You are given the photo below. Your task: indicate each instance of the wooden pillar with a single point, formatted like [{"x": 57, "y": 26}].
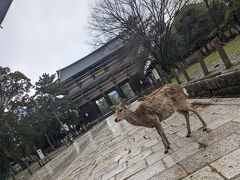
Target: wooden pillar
[
  {"x": 223, "y": 54},
  {"x": 94, "y": 108},
  {"x": 118, "y": 89},
  {"x": 98, "y": 111},
  {"x": 120, "y": 92},
  {"x": 105, "y": 96},
  {"x": 184, "y": 71},
  {"x": 107, "y": 99},
  {"x": 134, "y": 88},
  {"x": 175, "y": 76},
  {"x": 202, "y": 64},
  {"x": 161, "y": 74}
]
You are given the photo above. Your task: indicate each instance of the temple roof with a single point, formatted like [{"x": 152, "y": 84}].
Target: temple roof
[
  {"x": 4, "y": 6},
  {"x": 90, "y": 59}
]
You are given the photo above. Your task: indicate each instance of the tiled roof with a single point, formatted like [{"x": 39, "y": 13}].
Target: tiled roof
[{"x": 90, "y": 59}]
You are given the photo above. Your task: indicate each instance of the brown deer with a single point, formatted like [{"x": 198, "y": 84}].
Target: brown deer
[{"x": 157, "y": 107}]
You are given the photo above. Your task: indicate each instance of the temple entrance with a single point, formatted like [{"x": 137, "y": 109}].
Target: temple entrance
[
  {"x": 115, "y": 98},
  {"x": 102, "y": 105},
  {"x": 128, "y": 91}
]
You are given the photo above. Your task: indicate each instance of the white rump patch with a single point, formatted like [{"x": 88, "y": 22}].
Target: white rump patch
[{"x": 185, "y": 91}]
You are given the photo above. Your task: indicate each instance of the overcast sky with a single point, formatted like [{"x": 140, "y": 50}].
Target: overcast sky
[{"x": 44, "y": 35}]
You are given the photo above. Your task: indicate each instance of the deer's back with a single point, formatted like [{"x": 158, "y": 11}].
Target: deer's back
[
  {"x": 173, "y": 92},
  {"x": 163, "y": 102}
]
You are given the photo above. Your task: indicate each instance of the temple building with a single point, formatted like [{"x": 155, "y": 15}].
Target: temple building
[
  {"x": 97, "y": 81},
  {"x": 4, "y": 6}
]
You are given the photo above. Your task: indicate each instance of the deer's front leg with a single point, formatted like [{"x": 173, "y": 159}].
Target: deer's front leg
[{"x": 163, "y": 136}]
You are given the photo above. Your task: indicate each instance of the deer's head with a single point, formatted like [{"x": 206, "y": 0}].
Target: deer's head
[{"x": 121, "y": 110}]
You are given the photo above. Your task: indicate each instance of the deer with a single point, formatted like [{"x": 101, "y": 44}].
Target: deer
[{"x": 157, "y": 107}]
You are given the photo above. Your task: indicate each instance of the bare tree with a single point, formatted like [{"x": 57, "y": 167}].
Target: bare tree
[
  {"x": 150, "y": 22},
  {"x": 211, "y": 14}
]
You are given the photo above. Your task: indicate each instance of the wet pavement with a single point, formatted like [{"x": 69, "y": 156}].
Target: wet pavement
[{"x": 122, "y": 151}]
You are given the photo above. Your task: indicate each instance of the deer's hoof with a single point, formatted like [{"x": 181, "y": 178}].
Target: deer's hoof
[
  {"x": 188, "y": 135},
  {"x": 166, "y": 151},
  {"x": 208, "y": 130},
  {"x": 205, "y": 128}
]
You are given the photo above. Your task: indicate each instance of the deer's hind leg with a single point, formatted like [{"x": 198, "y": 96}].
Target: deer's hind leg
[
  {"x": 187, "y": 107},
  {"x": 186, "y": 115}
]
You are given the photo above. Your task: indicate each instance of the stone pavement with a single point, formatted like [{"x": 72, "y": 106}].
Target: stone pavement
[{"x": 122, "y": 151}]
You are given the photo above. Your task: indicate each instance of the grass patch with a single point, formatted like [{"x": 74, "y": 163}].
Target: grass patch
[{"x": 231, "y": 48}]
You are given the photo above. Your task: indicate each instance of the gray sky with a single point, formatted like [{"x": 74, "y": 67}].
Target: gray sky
[{"x": 44, "y": 35}]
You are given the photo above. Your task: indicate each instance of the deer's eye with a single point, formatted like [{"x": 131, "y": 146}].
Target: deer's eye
[{"x": 120, "y": 110}]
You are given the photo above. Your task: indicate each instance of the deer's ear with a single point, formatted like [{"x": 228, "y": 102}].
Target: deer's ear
[{"x": 112, "y": 107}]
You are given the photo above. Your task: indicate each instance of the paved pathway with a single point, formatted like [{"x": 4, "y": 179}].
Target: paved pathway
[{"x": 121, "y": 151}]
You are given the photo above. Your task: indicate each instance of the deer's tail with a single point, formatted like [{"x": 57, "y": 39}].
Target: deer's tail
[
  {"x": 204, "y": 102},
  {"x": 185, "y": 92}
]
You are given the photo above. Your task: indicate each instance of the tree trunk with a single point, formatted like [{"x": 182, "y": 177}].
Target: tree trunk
[
  {"x": 40, "y": 162},
  {"x": 61, "y": 124},
  {"x": 175, "y": 75},
  {"x": 17, "y": 159},
  {"x": 28, "y": 168},
  {"x": 223, "y": 55},
  {"x": 49, "y": 141},
  {"x": 64, "y": 142},
  {"x": 28, "y": 156},
  {"x": 22, "y": 162},
  {"x": 75, "y": 130},
  {"x": 202, "y": 64},
  {"x": 184, "y": 72},
  {"x": 53, "y": 140},
  {"x": 12, "y": 173},
  {"x": 47, "y": 156},
  {"x": 215, "y": 21},
  {"x": 71, "y": 129},
  {"x": 69, "y": 138}
]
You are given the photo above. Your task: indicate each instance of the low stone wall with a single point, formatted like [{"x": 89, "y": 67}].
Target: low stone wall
[{"x": 225, "y": 85}]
